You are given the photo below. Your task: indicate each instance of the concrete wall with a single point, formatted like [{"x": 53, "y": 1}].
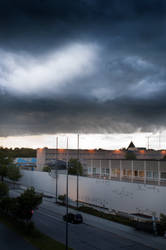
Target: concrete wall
[{"x": 121, "y": 196}]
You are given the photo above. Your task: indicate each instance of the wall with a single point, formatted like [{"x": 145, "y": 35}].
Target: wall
[{"x": 121, "y": 196}]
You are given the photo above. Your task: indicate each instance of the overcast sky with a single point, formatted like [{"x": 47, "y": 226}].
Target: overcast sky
[{"x": 94, "y": 66}]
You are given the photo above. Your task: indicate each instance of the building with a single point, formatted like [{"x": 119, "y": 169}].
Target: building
[
  {"x": 149, "y": 166},
  {"x": 25, "y": 162},
  {"x": 45, "y": 155}
]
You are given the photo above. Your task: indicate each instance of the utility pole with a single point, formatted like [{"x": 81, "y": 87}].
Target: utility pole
[
  {"x": 148, "y": 142},
  {"x": 159, "y": 140},
  {"x": 56, "y": 171},
  {"x": 78, "y": 169},
  {"x": 67, "y": 194}
]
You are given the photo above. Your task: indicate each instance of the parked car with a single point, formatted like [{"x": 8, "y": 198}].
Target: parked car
[{"x": 73, "y": 218}]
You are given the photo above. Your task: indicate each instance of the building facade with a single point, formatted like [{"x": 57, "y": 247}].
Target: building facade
[
  {"x": 26, "y": 162},
  {"x": 149, "y": 166}
]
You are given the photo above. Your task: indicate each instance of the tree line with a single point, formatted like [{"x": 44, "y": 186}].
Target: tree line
[
  {"x": 18, "y": 152},
  {"x": 19, "y": 208}
]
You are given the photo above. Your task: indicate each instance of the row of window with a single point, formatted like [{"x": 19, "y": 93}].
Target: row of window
[{"x": 126, "y": 173}]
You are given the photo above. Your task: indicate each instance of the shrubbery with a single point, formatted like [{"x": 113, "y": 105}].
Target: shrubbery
[
  {"x": 21, "y": 208},
  {"x": 62, "y": 198},
  {"x": 75, "y": 167},
  {"x": 46, "y": 169},
  {"x": 4, "y": 190},
  {"x": 162, "y": 223},
  {"x": 116, "y": 218}
]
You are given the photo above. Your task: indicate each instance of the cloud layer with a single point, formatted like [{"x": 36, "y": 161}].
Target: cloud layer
[{"x": 93, "y": 66}]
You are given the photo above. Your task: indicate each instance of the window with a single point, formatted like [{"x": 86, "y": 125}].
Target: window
[
  {"x": 149, "y": 174},
  {"x": 155, "y": 175},
  {"x": 135, "y": 173},
  {"x": 89, "y": 171},
  {"x": 97, "y": 170},
  {"x": 141, "y": 173},
  {"x": 114, "y": 173},
  {"x": 94, "y": 170},
  {"x": 163, "y": 175},
  {"x": 107, "y": 171},
  {"x": 129, "y": 173},
  {"x": 124, "y": 172}
]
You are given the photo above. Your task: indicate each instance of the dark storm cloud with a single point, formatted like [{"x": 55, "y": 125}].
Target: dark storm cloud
[{"x": 123, "y": 91}]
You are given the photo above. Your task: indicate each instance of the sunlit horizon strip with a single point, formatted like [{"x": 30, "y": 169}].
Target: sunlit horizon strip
[{"x": 86, "y": 141}]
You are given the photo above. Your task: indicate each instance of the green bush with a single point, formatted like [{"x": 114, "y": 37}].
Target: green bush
[
  {"x": 111, "y": 217},
  {"x": 62, "y": 198},
  {"x": 3, "y": 172},
  {"x": 27, "y": 202},
  {"x": 75, "y": 167},
  {"x": 21, "y": 208},
  {"x": 46, "y": 169},
  {"x": 162, "y": 223},
  {"x": 4, "y": 190},
  {"x": 13, "y": 172}
]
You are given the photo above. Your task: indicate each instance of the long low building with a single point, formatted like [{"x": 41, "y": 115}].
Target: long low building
[
  {"x": 46, "y": 155},
  {"x": 110, "y": 164}
]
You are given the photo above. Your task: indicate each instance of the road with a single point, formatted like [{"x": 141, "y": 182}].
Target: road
[
  {"x": 94, "y": 235},
  {"x": 81, "y": 236}
]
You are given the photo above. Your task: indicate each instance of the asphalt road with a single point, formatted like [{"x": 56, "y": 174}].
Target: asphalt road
[
  {"x": 81, "y": 236},
  {"x": 48, "y": 219}
]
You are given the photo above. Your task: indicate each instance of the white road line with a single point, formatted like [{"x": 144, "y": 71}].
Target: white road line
[{"x": 53, "y": 217}]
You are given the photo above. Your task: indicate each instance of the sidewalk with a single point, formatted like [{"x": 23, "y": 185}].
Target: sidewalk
[
  {"x": 123, "y": 231},
  {"x": 9, "y": 240}
]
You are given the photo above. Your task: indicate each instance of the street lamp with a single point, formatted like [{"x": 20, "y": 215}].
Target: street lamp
[
  {"x": 78, "y": 169},
  {"x": 67, "y": 194},
  {"x": 57, "y": 165}
]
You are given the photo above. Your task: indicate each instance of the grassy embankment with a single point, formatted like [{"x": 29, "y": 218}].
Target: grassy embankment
[{"x": 32, "y": 235}]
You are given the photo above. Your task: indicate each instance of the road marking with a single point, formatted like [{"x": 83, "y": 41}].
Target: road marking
[{"x": 53, "y": 217}]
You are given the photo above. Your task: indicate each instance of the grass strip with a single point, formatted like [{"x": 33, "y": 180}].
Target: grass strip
[
  {"x": 107, "y": 216},
  {"x": 111, "y": 217},
  {"x": 32, "y": 235}
]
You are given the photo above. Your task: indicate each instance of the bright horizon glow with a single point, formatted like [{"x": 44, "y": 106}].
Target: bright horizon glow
[{"x": 87, "y": 141}]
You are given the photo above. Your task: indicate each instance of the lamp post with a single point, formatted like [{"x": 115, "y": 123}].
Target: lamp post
[
  {"x": 67, "y": 193},
  {"x": 57, "y": 165},
  {"x": 56, "y": 174},
  {"x": 77, "y": 170}
]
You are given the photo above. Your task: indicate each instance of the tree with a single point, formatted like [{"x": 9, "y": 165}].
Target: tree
[
  {"x": 13, "y": 172},
  {"x": 30, "y": 198},
  {"x": 130, "y": 155},
  {"x": 3, "y": 172},
  {"x": 75, "y": 167},
  {"x": 62, "y": 198},
  {"x": 27, "y": 202},
  {"x": 4, "y": 190},
  {"x": 162, "y": 223},
  {"x": 4, "y": 162},
  {"x": 18, "y": 152},
  {"x": 46, "y": 169}
]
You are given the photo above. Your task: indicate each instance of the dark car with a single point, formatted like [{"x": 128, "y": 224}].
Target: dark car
[{"x": 73, "y": 218}]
